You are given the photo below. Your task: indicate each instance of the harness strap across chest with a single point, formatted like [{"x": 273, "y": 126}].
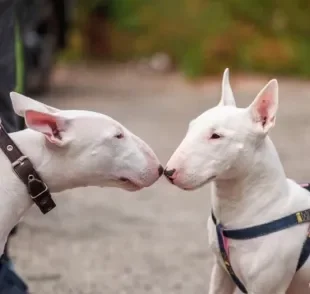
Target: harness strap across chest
[{"x": 258, "y": 231}]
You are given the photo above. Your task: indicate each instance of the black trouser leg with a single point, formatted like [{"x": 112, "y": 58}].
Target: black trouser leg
[
  {"x": 10, "y": 283},
  {"x": 7, "y": 63},
  {"x": 9, "y": 56}
]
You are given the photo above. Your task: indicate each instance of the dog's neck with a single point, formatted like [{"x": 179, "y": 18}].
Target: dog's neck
[
  {"x": 250, "y": 199},
  {"x": 56, "y": 170},
  {"x": 59, "y": 169}
]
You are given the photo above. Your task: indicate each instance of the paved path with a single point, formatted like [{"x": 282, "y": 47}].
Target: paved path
[{"x": 154, "y": 241}]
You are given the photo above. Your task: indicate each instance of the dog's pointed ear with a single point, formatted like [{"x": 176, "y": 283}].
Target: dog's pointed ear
[
  {"x": 264, "y": 107},
  {"x": 227, "y": 98},
  {"x": 22, "y": 103},
  {"x": 53, "y": 126}
]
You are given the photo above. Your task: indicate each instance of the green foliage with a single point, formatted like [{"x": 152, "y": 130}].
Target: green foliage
[{"x": 204, "y": 36}]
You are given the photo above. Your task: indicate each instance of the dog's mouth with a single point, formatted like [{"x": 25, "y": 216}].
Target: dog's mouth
[
  {"x": 129, "y": 185},
  {"x": 207, "y": 181}
]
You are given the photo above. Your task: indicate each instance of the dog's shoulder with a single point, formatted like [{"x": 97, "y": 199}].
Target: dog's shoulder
[{"x": 299, "y": 195}]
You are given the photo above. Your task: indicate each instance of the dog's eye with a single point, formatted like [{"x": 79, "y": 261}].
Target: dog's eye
[
  {"x": 119, "y": 136},
  {"x": 215, "y": 136}
]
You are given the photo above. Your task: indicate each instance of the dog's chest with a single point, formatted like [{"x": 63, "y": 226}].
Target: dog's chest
[
  {"x": 213, "y": 241},
  {"x": 230, "y": 247}
]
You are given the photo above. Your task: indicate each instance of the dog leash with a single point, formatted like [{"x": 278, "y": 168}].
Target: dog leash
[
  {"x": 22, "y": 166},
  {"x": 258, "y": 231}
]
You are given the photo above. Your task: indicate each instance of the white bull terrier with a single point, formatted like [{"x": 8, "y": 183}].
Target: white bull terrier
[
  {"x": 90, "y": 149},
  {"x": 230, "y": 147}
]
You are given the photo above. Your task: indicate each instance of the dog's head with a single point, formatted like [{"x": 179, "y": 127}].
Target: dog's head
[
  {"x": 100, "y": 150},
  {"x": 221, "y": 142}
]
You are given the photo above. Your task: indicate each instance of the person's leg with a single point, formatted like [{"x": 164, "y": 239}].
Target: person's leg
[
  {"x": 11, "y": 78},
  {"x": 7, "y": 63}
]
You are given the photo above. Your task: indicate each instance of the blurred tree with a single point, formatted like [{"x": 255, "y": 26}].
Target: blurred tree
[{"x": 203, "y": 36}]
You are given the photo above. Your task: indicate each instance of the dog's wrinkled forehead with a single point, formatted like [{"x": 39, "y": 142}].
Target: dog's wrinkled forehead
[
  {"x": 88, "y": 116},
  {"x": 92, "y": 121},
  {"x": 83, "y": 114},
  {"x": 219, "y": 117}
]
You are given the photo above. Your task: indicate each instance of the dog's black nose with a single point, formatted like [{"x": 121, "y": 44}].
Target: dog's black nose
[
  {"x": 160, "y": 170},
  {"x": 169, "y": 173}
]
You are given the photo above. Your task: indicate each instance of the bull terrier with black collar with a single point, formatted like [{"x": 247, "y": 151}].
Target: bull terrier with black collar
[{"x": 70, "y": 149}]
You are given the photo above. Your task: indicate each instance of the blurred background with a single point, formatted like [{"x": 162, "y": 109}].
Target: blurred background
[
  {"x": 153, "y": 65},
  {"x": 195, "y": 37}
]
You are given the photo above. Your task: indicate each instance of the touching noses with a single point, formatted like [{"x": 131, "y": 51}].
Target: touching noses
[
  {"x": 151, "y": 157},
  {"x": 170, "y": 174},
  {"x": 160, "y": 170}
]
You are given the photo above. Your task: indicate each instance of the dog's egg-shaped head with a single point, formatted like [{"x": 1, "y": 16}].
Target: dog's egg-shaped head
[{"x": 222, "y": 140}]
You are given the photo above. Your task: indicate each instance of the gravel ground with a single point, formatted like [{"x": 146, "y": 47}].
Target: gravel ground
[{"x": 153, "y": 241}]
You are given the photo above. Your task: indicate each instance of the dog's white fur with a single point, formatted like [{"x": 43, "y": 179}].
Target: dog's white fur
[
  {"x": 249, "y": 187},
  {"x": 92, "y": 149}
]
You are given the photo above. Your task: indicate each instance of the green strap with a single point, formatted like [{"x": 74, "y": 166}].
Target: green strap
[{"x": 19, "y": 60}]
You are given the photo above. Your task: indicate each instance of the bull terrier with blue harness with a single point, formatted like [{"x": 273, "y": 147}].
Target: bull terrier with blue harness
[{"x": 259, "y": 225}]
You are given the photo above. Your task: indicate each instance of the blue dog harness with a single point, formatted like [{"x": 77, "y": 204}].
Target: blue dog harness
[{"x": 258, "y": 231}]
